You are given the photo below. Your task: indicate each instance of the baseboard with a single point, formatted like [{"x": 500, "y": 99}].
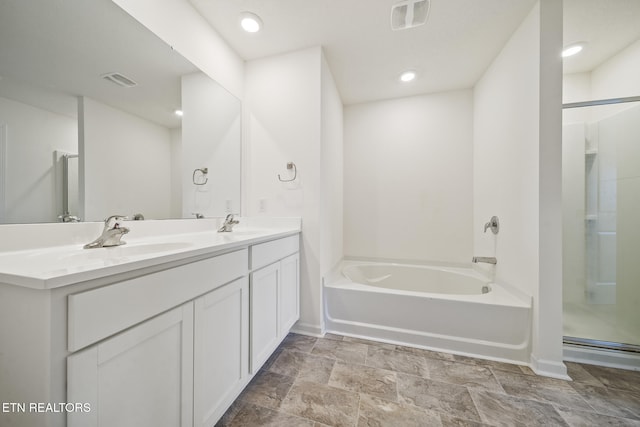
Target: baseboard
[
  {"x": 549, "y": 368},
  {"x": 307, "y": 329},
  {"x": 602, "y": 357}
]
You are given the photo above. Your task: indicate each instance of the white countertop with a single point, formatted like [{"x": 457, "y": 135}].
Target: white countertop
[{"x": 65, "y": 264}]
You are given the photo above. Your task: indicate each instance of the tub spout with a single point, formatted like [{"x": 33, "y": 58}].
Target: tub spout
[{"x": 487, "y": 259}]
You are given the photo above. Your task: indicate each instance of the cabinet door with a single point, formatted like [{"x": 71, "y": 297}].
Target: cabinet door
[
  {"x": 140, "y": 377},
  {"x": 264, "y": 314},
  {"x": 289, "y": 293},
  {"x": 221, "y": 343}
]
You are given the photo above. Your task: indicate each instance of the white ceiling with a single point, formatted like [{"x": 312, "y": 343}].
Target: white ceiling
[
  {"x": 608, "y": 26},
  {"x": 452, "y": 51},
  {"x": 65, "y": 45},
  {"x": 52, "y": 51}
]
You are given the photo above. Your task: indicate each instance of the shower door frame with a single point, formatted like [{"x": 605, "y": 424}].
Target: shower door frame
[{"x": 588, "y": 342}]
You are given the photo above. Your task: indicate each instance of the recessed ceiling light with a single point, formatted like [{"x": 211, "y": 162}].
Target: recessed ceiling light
[
  {"x": 179, "y": 113},
  {"x": 407, "y": 76},
  {"x": 572, "y": 49},
  {"x": 250, "y": 22}
]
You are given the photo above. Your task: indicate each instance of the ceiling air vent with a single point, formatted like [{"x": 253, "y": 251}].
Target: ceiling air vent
[
  {"x": 119, "y": 79},
  {"x": 409, "y": 13}
]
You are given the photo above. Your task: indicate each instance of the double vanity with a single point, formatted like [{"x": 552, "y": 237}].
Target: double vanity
[{"x": 166, "y": 330}]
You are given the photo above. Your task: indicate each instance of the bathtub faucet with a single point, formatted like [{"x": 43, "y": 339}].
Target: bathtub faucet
[{"x": 487, "y": 259}]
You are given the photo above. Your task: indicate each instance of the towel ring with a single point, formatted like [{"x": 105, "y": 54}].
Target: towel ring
[
  {"x": 290, "y": 166},
  {"x": 204, "y": 172}
]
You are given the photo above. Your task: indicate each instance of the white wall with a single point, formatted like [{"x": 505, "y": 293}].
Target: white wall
[
  {"x": 33, "y": 186},
  {"x": 618, "y": 76},
  {"x": 126, "y": 162},
  {"x": 182, "y": 27},
  {"x": 408, "y": 178},
  {"x": 211, "y": 138},
  {"x": 332, "y": 180},
  {"x": 281, "y": 122},
  {"x": 176, "y": 173},
  {"x": 517, "y": 173}
]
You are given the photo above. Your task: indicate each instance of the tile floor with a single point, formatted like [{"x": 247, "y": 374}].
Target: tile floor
[{"x": 341, "y": 381}]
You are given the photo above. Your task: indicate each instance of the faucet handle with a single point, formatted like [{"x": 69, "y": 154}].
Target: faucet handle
[
  {"x": 493, "y": 224},
  {"x": 114, "y": 218}
]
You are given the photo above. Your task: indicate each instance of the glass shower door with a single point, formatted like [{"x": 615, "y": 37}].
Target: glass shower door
[{"x": 601, "y": 206}]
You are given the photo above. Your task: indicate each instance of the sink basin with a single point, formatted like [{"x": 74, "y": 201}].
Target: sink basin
[{"x": 127, "y": 250}]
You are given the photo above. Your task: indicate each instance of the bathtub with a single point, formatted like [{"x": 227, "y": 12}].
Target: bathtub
[{"x": 449, "y": 309}]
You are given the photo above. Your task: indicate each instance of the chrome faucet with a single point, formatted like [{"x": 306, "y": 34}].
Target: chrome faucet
[
  {"x": 487, "y": 259},
  {"x": 493, "y": 224},
  {"x": 111, "y": 234},
  {"x": 228, "y": 224},
  {"x": 67, "y": 217}
]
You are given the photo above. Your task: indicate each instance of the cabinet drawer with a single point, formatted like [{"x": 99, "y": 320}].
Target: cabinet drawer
[
  {"x": 269, "y": 252},
  {"x": 99, "y": 313}
]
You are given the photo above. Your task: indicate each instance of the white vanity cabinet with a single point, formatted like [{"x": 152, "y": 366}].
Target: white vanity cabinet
[
  {"x": 169, "y": 342},
  {"x": 181, "y": 367},
  {"x": 275, "y": 300},
  {"x": 221, "y": 358},
  {"x": 140, "y": 377},
  {"x": 289, "y": 293}
]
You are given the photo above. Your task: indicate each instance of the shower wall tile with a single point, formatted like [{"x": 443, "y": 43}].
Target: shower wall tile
[
  {"x": 607, "y": 199},
  {"x": 607, "y": 221},
  {"x": 628, "y": 248},
  {"x": 607, "y": 257}
]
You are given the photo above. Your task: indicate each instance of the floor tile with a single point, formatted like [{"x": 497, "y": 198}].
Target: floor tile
[
  {"x": 254, "y": 416},
  {"x": 446, "y": 398},
  {"x": 303, "y": 366},
  {"x": 298, "y": 342},
  {"x": 370, "y": 343},
  {"x": 267, "y": 389},
  {"x": 615, "y": 378},
  {"x": 375, "y": 412},
  {"x": 578, "y": 418},
  {"x": 397, "y": 361},
  {"x": 526, "y": 370},
  {"x": 340, "y": 350},
  {"x": 543, "y": 389},
  {"x": 271, "y": 359},
  {"x": 426, "y": 353},
  {"x": 364, "y": 379},
  {"x": 342, "y": 381},
  {"x": 472, "y": 376},
  {"x": 509, "y": 367},
  {"x": 333, "y": 337},
  {"x": 449, "y": 421},
  {"x": 502, "y": 410},
  {"x": 580, "y": 375},
  {"x": 607, "y": 401},
  {"x": 322, "y": 403},
  {"x": 228, "y": 416}
]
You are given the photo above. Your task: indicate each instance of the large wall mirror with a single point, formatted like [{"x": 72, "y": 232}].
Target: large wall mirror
[{"x": 88, "y": 123}]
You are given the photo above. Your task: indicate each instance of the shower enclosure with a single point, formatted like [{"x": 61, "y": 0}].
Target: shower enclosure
[{"x": 601, "y": 224}]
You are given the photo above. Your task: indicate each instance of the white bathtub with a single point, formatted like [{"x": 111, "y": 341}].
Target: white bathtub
[{"x": 440, "y": 308}]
